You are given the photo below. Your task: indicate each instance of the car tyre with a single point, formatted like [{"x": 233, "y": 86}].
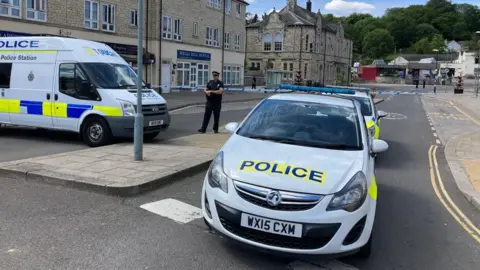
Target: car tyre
[
  {"x": 366, "y": 251},
  {"x": 150, "y": 136},
  {"x": 96, "y": 132}
]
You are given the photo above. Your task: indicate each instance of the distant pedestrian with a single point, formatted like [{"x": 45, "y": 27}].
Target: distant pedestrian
[
  {"x": 254, "y": 82},
  {"x": 213, "y": 93}
]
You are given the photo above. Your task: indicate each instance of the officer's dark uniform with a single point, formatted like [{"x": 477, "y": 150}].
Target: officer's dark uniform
[{"x": 214, "y": 104}]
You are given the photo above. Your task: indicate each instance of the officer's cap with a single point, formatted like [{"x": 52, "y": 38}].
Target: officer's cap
[{"x": 215, "y": 73}]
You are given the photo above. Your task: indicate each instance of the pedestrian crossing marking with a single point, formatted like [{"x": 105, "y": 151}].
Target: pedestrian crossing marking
[{"x": 175, "y": 210}]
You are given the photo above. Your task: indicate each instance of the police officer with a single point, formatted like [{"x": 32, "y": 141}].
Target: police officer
[{"x": 213, "y": 93}]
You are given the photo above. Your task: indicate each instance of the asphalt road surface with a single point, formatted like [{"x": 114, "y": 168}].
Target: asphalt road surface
[
  {"x": 19, "y": 143},
  {"x": 50, "y": 227}
]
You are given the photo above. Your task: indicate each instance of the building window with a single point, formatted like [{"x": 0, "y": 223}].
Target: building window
[
  {"x": 231, "y": 75},
  {"x": 278, "y": 41},
  {"x": 217, "y": 3},
  {"x": 108, "y": 21},
  {"x": 195, "y": 29},
  {"x": 133, "y": 17},
  {"x": 183, "y": 74},
  {"x": 203, "y": 70},
  {"x": 238, "y": 9},
  {"x": 167, "y": 27},
  {"x": 178, "y": 29},
  {"x": 10, "y": 8},
  {"x": 237, "y": 42},
  {"x": 285, "y": 68},
  {"x": 91, "y": 14},
  {"x": 305, "y": 71},
  {"x": 291, "y": 69},
  {"x": 212, "y": 38},
  {"x": 226, "y": 40},
  {"x": 228, "y": 6},
  {"x": 306, "y": 43},
  {"x": 36, "y": 10},
  {"x": 267, "y": 42},
  {"x": 213, "y": 3}
]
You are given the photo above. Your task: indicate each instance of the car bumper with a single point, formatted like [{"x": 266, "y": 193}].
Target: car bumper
[
  {"x": 324, "y": 233},
  {"x": 124, "y": 126}
]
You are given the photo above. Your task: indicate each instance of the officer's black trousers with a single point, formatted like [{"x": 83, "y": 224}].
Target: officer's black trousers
[{"x": 210, "y": 107}]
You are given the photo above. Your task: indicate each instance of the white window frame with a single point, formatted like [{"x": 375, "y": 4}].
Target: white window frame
[
  {"x": 237, "y": 42},
  {"x": 205, "y": 71},
  {"x": 133, "y": 17},
  {"x": 279, "y": 43},
  {"x": 238, "y": 10},
  {"x": 39, "y": 12},
  {"x": 212, "y": 38},
  {"x": 227, "y": 40},
  {"x": 177, "y": 29},
  {"x": 88, "y": 23},
  {"x": 10, "y": 7},
  {"x": 110, "y": 21},
  {"x": 231, "y": 74},
  {"x": 183, "y": 69},
  {"x": 210, "y": 3},
  {"x": 167, "y": 27},
  {"x": 195, "y": 29},
  {"x": 217, "y": 4},
  {"x": 228, "y": 6}
]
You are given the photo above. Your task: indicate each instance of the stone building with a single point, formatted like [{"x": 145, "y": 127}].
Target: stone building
[
  {"x": 190, "y": 32},
  {"x": 297, "y": 39}
]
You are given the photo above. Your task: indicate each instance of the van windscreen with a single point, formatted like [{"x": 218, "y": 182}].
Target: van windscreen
[{"x": 111, "y": 76}]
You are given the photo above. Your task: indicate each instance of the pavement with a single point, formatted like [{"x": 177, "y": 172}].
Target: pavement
[
  {"x": 57, "y": 227},
  {"x": 456, "y": 120}
]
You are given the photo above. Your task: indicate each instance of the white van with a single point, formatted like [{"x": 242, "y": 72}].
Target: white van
[{"x": 75, "y": 85}]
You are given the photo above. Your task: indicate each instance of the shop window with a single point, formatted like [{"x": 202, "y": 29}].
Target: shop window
[
  {"x": 203, "y": 77},
  {"x": 91, "y": 14},
  {"x": 231, "y": 75},
  {"x": 183, "y": 74}
]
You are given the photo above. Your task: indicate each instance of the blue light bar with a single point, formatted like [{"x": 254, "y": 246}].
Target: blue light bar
[
  {"x": 361, "y": 89},
  {"x": 328, "y": 90}
]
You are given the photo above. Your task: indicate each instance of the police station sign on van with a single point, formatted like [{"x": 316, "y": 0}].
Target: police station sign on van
[{"x": 8, "y": 47}]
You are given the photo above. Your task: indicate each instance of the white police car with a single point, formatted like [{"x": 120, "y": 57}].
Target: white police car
[{"x": 296, "y": 176}]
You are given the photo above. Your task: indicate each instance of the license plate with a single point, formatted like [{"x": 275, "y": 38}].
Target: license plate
[
  {"x": 271, "y": 225},
  {"x": 155, "y": 123}
]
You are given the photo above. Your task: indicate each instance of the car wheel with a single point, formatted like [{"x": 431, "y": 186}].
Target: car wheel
[
  {"x": 96, "y": 132},
  {"x": 150, "y": 136},
  {"x": 366, "y": 250}
]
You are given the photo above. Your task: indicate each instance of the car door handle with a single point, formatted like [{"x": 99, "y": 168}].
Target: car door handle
[
  {"x": 55, "y": 96},
  {"x": 48, "y": 96}
]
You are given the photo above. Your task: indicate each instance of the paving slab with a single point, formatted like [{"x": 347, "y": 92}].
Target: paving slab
[{"x": 112, "y": 170}]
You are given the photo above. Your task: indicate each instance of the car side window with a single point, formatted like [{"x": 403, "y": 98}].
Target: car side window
[
  {"x": 73, "y": 82},
  {"x": 5, "y": 74}
]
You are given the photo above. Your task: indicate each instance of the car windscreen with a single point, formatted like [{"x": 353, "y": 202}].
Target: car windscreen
[
  {"x": 365, "y": 105},
  {"x": 111, "y": 76},
  {"x": 304, "y": 123}
]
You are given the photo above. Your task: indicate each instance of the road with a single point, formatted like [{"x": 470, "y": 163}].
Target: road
[
  {"x": 51, "y": 227},
  {"x": 19, "y": 143}
]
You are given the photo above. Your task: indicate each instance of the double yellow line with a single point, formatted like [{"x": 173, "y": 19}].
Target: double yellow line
[{"x": 447, "y": 202}]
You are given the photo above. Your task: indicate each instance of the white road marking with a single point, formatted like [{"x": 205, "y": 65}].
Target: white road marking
[
  {"x": 175, "y": 210},
  {"x": 435, "y": 134},
  {"x": 438, "y": 141},
  {"x": 433, "y": 129}
]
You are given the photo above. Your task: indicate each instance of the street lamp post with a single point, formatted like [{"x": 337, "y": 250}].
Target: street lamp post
[
  {"x": 435, "y": 80},
  {"x": 477, "y": 84},
  {"x": 138, "y": 128}
]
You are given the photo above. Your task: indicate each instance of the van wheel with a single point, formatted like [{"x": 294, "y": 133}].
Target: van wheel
[
  {"x": 96, "y": 132},
  {"x": 150, "y": 136},
  {"x": 366, "y": 250}
]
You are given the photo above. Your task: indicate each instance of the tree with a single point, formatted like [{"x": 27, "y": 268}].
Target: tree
[
  {"x": 427, "y": 45},
  {"x": 425, "y": 30},
  {"x": 377, "y": 44},
  {"x": 401, "y": 27},
  {"x": 264, "y": 16},
  {"x": 362, "y": 27}
]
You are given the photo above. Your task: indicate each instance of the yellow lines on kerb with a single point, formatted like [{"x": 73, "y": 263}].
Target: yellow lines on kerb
[{"x": 442, "y": 194}]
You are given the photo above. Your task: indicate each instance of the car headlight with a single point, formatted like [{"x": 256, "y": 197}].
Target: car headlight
[
  {"x": 372, "y": 130},
  {"x": 128, "y": 108},
  {"x": 216, "y": 175},
  {"x": 352, "y": 196}
]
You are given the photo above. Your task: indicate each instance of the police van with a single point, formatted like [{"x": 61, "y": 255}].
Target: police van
[{"x": 74, "y": 85}]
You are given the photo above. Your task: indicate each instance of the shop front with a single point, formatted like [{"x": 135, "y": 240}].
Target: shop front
[{"x": 192, "y": 69}]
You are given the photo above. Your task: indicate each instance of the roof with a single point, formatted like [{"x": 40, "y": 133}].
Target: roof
[
  {"x": 441, "y": 57},
  {"x": 301, "y": 16},
  {"x": 243, "y": 2},
  {"x": 326, "y": 99}
]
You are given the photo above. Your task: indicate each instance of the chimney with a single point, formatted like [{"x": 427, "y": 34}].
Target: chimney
[
  {"x": 309, "y": 5},
  {"x": 291, "y": 4}
]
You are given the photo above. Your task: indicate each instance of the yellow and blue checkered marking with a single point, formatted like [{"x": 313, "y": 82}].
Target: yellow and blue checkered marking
[{"x": 57, "y": 109}]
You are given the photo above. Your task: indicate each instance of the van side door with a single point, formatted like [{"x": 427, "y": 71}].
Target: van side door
[
  {"x": 5, "y": 75},
  {"x": 74, "y": 95}
]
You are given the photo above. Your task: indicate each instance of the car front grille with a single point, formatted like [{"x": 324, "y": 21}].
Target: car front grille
[
  {"x": 290, "y": 201},
  {"x": 153, "y": 109}
]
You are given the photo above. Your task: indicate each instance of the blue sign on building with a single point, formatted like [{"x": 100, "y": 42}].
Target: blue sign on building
[{"x": 201, "y": 56}]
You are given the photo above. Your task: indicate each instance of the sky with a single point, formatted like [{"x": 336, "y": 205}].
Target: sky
[{"x": 341, "y": 7}]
